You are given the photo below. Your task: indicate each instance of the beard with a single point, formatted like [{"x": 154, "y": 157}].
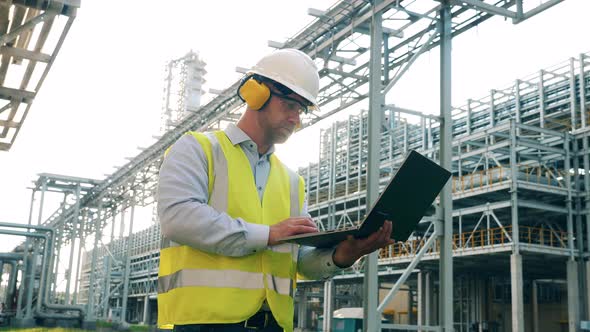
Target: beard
[
  {"x": 279, "y": 134},
  {"x": 277, "y": 130}
]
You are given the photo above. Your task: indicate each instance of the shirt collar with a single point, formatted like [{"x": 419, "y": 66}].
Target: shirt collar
[{"x": 238, "y": 136}]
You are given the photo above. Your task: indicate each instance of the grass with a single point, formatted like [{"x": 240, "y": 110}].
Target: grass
[{"x": 139, "y": 328}]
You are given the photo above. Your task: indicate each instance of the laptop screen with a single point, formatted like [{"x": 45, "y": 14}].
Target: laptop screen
[{"x": 408, "y": 195}]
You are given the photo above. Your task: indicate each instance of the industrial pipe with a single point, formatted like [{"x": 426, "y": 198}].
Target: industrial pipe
[
  {"x": 9, "y": 259},
  {"x": 11, "y": 256},
  {"x": 11, "y": 282},
  {"x": 48, "y": 244}
]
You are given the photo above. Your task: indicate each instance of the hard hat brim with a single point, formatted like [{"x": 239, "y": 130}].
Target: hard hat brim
[{"x": 299, "y": 91}]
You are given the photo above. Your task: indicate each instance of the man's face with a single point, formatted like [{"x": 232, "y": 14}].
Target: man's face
[{"x": 280, "y": 116}]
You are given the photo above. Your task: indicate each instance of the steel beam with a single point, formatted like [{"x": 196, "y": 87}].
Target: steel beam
[{"x": 491, "y": 9}]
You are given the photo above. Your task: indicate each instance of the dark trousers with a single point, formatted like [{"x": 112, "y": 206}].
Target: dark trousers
[{"x": 262, "y": 321}]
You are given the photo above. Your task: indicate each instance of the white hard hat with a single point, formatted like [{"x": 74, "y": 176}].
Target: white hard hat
[{"x": 292, "y": 68}]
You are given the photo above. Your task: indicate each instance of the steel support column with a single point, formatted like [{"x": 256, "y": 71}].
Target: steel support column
[
  {"x": 328, "y": 305},
  {"x": 302, "y": 309},
  {"x": 75, "y": 232},
  {"x": 146, "y": 310},
  {"x": 517, "y": 293},
  {"x": 41, "y": 201},
  {"x": 371, "y": 320},
  {"x": 53, "y": 272},
  {"x": 573, "y": 305},
  {"x": 446, "y": 200},
  {"x": 128, "y": 261},
  {"x": 420, "y": 298},
  {"x": 535, "y": 303},
  {"x": 515, "y": 258},
  {"x": 81, "y": 245},
  {"x": 97, "y": 235}
]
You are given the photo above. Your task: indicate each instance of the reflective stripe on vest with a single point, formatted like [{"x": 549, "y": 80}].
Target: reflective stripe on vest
[
  {"x": 223, "y": 278},
  {"x": 218, "y": 196},
  {"x": 196, "y": 287}
]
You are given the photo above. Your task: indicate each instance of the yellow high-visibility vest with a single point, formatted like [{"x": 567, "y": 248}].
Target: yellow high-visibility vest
[{"x": 196, "y": 287}]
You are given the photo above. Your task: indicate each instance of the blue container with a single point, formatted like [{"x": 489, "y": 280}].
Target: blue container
[{"x": 343, "y": 324}]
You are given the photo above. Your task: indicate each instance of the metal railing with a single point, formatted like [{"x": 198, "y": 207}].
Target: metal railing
[
  {"x": 481, "y": 238},
  {"x": 486, "y": 178}
]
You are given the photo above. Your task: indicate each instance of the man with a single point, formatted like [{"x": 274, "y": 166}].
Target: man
[{"x": 225, "y": 201}]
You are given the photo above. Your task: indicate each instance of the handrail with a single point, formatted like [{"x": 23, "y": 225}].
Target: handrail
[
  {"x": 481, "y": 179},
  {"x": 481, "y": 238}
]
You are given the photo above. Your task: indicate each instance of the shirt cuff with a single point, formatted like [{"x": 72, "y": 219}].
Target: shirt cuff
[
  {"x": 256, "y": 237},
  {"x": 327, "y": 262}
]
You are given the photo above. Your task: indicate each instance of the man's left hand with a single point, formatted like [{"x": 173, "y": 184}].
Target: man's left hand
[{"x": 351, "y": 249}]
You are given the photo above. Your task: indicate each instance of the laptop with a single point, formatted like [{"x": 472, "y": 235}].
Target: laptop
[{"x": 408, "y": 195}]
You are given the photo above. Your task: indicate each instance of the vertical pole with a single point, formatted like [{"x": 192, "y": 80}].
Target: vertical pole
[
  {"x": 469, "y": 114},
  {"x": 146, "y": 310},
  {"x": 572, "y": 296},
  {"x": 541, "y": 91},
  {"x": 75, "y": 225},
  {"x": 128, "y": 260},
  {"x": 359, "y": 163},
  {"x": 515, "y": 258},
  {"x": 82, "y": 234},
  {"x": 586, "y": 161},
  {"x": 535, "y": 307},
  {"x": 446, "y": 200},
  {"x": 121, "y": 233},
  {"x": 108, "y": 265},
  {"x": 568, "y": 201},
  {"x": 24, "y": 275},
  {"x": 23, "y": 280},
  {"x": 372, "y": 320},
  {"x": 572, "y": 268},
  {"x": 492, "y": 114},
  {"x": 2, "y": 274},
  {"x": 332, "y": 178},
  {"x": 106, "y": 285},
  {"x": 44, "y": 188},
  {"x": 302, "y": 312},
  {"x": 31, "y": 206},
  {"x": 582, "y": 89},
  {"x": 573, "y": 107},
  {"x": 579, "y": 231},
  {"x": 348, "y": 143},
  {"x": 97, "y": 236},
  {"x": 53, "y": 270},
  {"x": 517, "y": 110},
  {"x": 328, "y": 305},
  {"x": 31, "y": 282},
  {"x": 420, "y": 304},
  {"x": 428, "y": 294}
]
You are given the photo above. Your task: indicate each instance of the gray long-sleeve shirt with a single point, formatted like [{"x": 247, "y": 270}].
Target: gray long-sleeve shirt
[{"x": 186, "y": 218}]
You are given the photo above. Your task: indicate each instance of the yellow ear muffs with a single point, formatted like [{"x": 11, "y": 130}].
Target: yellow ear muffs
[{"x": 254, "y": 93}]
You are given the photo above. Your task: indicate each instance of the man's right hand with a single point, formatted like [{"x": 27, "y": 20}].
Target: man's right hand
[{"x": 291, "y": 226}]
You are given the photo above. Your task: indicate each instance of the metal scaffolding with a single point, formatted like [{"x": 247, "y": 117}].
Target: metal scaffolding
[
  {"x": 518, "y": 196},
  {"x": 28, "y": 34}
]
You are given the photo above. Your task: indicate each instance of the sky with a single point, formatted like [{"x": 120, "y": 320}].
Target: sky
[{"x": 103, "y": 97}]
